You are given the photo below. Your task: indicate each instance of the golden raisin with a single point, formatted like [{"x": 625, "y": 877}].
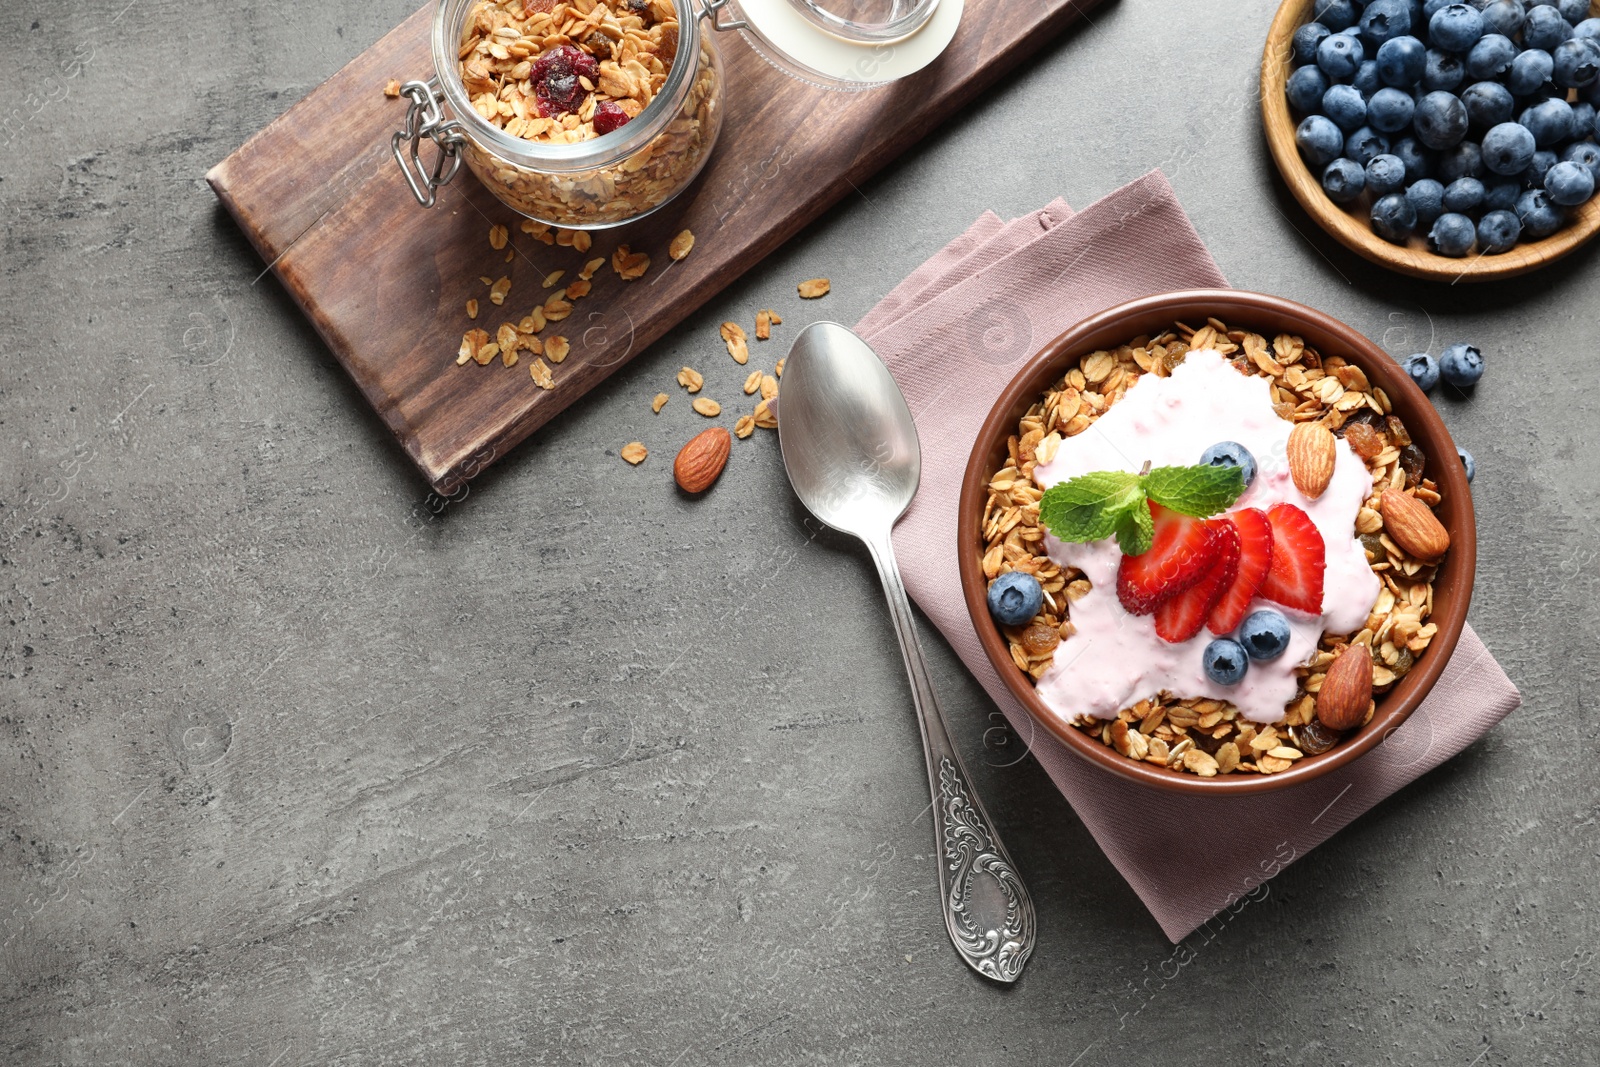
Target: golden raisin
[
  {"x": 1366, "y": 441},
  {"x": 1040, "y": 638}
]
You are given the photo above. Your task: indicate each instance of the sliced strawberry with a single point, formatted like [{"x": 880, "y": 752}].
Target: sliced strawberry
[
  {"x": 1180, "y": 617},
  {"x": 1298, "y": 560},
  {"x": 1180, "y": 554},
  {"x": 1255, "y": 559}
]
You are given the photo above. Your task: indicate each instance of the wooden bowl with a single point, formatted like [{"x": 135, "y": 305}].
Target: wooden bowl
[
  {"x": 1350, "y": 224},
  {"x": 1269, "y": 316}
]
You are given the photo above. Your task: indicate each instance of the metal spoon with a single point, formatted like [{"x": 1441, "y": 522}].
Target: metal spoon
[{"x": 850, "y": 447}]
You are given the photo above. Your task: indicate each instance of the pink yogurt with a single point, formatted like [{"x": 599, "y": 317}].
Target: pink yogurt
[{"x": 1116, "y": 659}]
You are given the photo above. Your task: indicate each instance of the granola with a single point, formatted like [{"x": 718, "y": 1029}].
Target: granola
[
  {"x": 1208, "y": 737},
  {"x": 569, "y": 71}
]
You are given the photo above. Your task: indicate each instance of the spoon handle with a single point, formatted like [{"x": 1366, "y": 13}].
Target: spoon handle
[{"x": 987, "y": 909}]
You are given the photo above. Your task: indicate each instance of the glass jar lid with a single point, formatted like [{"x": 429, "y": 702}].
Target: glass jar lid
[{"x": 843, "y": 44}]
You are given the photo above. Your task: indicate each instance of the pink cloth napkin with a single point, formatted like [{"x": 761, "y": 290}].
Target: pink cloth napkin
[{"x": 953, "y": 334}]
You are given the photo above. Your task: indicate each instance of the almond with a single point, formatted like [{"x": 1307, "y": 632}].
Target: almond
[
  {"x": 1412, "y": 525},
  {"x": 702, "y": 459},
  {"x": 1346, "y": 692},
  {"x": 1311, "y": 453}
]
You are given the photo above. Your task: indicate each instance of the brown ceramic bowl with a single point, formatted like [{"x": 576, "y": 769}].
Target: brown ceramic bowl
[{"x": 1269, "y": 316}]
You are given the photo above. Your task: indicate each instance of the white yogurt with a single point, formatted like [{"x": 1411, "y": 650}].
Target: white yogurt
[{"x": 1116, "y": 659}]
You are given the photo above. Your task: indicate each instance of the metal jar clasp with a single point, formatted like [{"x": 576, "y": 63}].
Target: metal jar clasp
[{"x": 424, "y": 118}]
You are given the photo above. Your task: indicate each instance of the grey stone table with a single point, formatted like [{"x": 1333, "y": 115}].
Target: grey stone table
[{"x": 296, "y": 771}]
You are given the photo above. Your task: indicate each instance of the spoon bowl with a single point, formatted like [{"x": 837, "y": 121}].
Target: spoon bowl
[{"x": 848, "y": 439}]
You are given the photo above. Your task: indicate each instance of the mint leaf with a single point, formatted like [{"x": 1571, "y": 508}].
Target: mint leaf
[
  {"x": 1136, "y": 530},
  {"x": 1089, "y": 507},
  {"x": 1197, "y": 491}
]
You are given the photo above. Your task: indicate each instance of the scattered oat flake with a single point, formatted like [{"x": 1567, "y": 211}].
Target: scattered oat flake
[
  {"x": 557, "y": 348},
  {"x": 533, "y": 321},
  {"x": 774, "y": 316},
  {"x": 392, "y": 90},
  {"x": 734, "y": 337},
  {"x": 778, "y": 370},
  {"x": 498, "y": 236},
  {"x": 553, "y": 277},
  {"x": 579, "y": 289},
  {"x": 707, "y": 407},
  {"x": 681, "y": 245},
  {"x": 539, "y": 370},
  {"x": 691, "y": 379},
  {"x": 659, "y": 402},
  {"x": 634, "y": 452},
  {"x": 581, "y": 241},
  {"x": 765, "y": 417},
  {"x": 629, "y": 264},
  {"x": 557, "y": 307},
  {"x": 471, "y": 341},
  {"x": 485, "y": 279},
  {"x": 590, "y": 267},
  {"x": 511, "y": 254},
  {"x": 487, "y": 353},
  {"x": 814, "y": 288},
  {"x": 752, "y": 383},
  {"x": 472, "y": 309},
  {"x": 744, "y": 427},
  {"x": 498, "y": 291},
  {"x": 763, "y": 326},
  {"x": 509, "y": 357},
  {"x": 534, "y": 229},
  {"x": 769, "y": 387}
]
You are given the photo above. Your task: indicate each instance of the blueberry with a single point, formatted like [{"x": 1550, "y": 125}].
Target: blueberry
[
  {"x": 1306, "y": 39},
  {"x": 1443, "y": 72},
  {"x": 1339, "y": 55},
  {"x": 1504, "y": 17},
  {"x": 1336, "y": 14},
  {"x": 1577, "y": 63},
  {"x": 1225, "y": 661},
  {"x": 1464, "y": 160},
  {"x": 1508, "y": 149},
  {"x": 1452, "y": 235},
  {"x": 1441, "y": 120},
  {"x": 1544, "y": 29},
  {"x": 1491, "y": 57},
  {"x": 1588, "y": 29},
  {"x": 1455, "y": 28},
  {"x": 1365, "y": 145},
  {"x": 1586, "y": 153},
  {"x": 1424, "y": 370},
  {"x": 1264, "y": 634},
  {"x": 1569, "y": 184},
  {"x": 1431, "y": 8},
  {"x": 1344, "y": 180},
  {"x": 1393, "y": 218},
  {"x": 1401, "y": 61},
  {"x": 1366, "y": 82},
  {"x": 1015, "y": 598},
  {"x": 1500, "y": 194},
  {"x": 1543, "y": 160},
  {"x": 1306, "y": 88},
  {"x": 1530, "y": 71},
  {"x": 1233, "y": 454},
  {"x": 1344, "y": 105},
  {"x": 1319, "y": 140},
  {"x": 1550, "y": 121},
  {"x": 1574, "y": 11},
  {"x": 1385, "y": 175},
  {"x": 1384, "y": 19},
  {"x": 1467, "y": 462},
  {"x": 1582, "y": 117},
  {"x": 1419, "y": 161},
  {"x": 1461, "y": 366},
  {"x": 1488, "y": 104},
  {"x": 1426, "y": 198},
  {"x": 1464, "y": 196},
  {"x": 1498, "y": 232},
  {"x": 1390, "y": 110}
]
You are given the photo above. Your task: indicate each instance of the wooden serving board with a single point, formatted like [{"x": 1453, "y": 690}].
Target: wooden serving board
[{"x": 386, "y": 281}]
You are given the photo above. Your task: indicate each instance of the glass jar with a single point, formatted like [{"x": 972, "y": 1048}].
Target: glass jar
[{"x": 623, "y": 175}]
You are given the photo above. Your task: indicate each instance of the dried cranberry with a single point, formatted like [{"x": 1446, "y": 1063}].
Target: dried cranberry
[
  {"x": 555, "y": 79},
  {"x": 608, "y": 116}
]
